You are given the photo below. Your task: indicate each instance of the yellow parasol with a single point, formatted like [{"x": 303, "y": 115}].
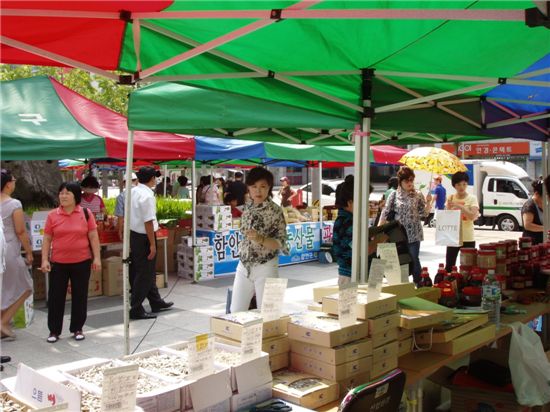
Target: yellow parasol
[{"x": 433, "y": 159}]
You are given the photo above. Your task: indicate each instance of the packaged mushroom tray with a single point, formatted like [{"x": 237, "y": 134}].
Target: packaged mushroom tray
[
  {"x": 89, "y": 402},
  {"x": 11, "y": 403},
  {"x": 170, "y": 365},
  {"x": 153, "y": 392}
]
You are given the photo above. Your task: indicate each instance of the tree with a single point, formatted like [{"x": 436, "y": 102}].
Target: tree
[{"x": 39, "y": 180}]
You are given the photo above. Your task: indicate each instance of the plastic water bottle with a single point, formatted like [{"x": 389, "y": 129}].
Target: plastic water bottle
[{"x": 491, "y": 298}]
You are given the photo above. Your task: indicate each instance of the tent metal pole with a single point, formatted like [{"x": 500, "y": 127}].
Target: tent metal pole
[
  {"x": 320, "y": 166},
  {"x": 356, "y": 240},
  {"x": 126, "y": 241},
  {"x": 546, "y": 202},
  {"x": 517, "y": 121},
  {"x": 365, "y": 209},
  {"x": 165, "y": 241},
  {"x": 194, "y": 202}
]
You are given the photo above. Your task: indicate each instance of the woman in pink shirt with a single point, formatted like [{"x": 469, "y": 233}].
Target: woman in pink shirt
[
  {"x": 70, "y": 235},
  {"x": 89, "y": 200}
]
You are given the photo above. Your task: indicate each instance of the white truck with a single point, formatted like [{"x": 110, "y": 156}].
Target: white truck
[{"x": 501, "y": 189}]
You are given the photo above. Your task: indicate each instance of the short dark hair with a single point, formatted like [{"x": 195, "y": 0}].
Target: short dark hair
[
  {"x": 5, "y": 178},
  {"x": 229, "y": 197},
  {"x": 182, "y": 180},
  {"x": 74, "y": 188},
  {"x": 146, "y": 173},
  {"x": 460, "y": 177},
  {"x": 344, "y": 192},
  {"x": 257, "y": 174},
  {"x": 537, "y": 186},
  {"x": 393, "y": 183},
  {"x": 404, "y": 173},
  {"x": 90, "y": 181},
  {"x": 238, "y": 175}
]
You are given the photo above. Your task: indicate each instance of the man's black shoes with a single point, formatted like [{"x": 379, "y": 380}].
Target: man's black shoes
[
  {"x": 144, "y": 315},
  {"x": 4, "y": 359},
  {"x": 162, "y": 307}
]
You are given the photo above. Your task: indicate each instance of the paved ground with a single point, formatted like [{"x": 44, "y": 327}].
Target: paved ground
[{"x": 194, "y": 304}]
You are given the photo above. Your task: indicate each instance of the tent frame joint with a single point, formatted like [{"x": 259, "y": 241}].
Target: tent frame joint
[
  {"x": 502, "y": 80},
  {"x": 368, "y": 113},
  {"x": 127, "y": 79},
  {"x": 536, "y": 18},
  {"x": 126, "y": 15},
  {"x": 276, "y": 14},
  {"x": 270, "y": 74}
]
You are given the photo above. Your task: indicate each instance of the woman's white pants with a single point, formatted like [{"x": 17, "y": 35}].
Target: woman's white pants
[{"x": 246, "y": 284}]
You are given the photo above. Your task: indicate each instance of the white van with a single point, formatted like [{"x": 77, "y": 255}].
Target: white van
[{"x": 501, "y": 189}]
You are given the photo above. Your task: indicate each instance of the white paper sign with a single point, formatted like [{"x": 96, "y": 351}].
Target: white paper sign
[
  {"x": 388, "y": 252},
  {"x": 251, "y": 340},
  {"x": 38, "y": 390},
  {"x": 201, "y": 355},
  {"x": 118, "y": 391},
  {"x": 376, "y": 277},
  {"x": 272, "y": 300},
  {"x": 405, "y": 273},
  {"x": 347, "y": 304}
]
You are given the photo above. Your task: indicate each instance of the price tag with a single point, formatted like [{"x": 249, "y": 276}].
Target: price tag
[
  {"x": 376, "y": 276},
  {"x": 201, "y": 356},
  {"x": 388, "y": 252},
  {"x": 251, "y": 340},
  {"x": 404, "y": 273},
  {"x": 347, "y": 304},
  {"x": 118, "y": 391},
  {"x": 272, "y": 300}
]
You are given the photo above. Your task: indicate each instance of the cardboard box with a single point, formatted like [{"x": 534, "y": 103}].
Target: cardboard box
[
  {"x": 202, "y": 396},
  {"x": 249, "y": 374},
  {"x": 400, "y": 290},
  {"x": 404, "y": 347},
  {"x": 365, "y": 309},
  {"x": 382, "y": 338},
  {"x": 333, "y": 356},
  {"x": 160, "y": 281},
  {"x": 199, "y": 241},
  {"x": 36, "y": 242},
  {"x": 315, "y": 307},
  {"x": 244, "y": 400},
  {"x": 95, "y": 286},
  {"x": 38, "y": 222},
  {"x": 38, "y": 284},
  {"x": 465, "y": 342},
  {"x": 389, "y": 350},
  {"x": 459, "y": 325},
  {"x": 279, "y": 361},
  {"x": 382, "y": 366},
  {"x": 316, "y": 393},
  {"x": 229, "y": 327},
  {"x": 112, "y": 276},
  {"x": 383, "y": 323},
  {"x": 419, "y": 313},
  {"x": 353, "y": 382},
  {"x": 170, "y": 254},
  {"x": 403, "y": 333},
  {"x": 320, "y": 292},
  {"x": 276, "y": 345},
  {"x": 319, "y": 329},
  {"x": 327, "y": 371},
  {"x": 6, "y": 397},
  {"x": 431, "y": 294}
]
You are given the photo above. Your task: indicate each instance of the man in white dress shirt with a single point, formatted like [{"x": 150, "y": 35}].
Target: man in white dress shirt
[{"x": 143, "y": 249}]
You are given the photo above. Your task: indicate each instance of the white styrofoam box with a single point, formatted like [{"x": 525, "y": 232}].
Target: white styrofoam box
[
  {"x": 256, "y": 395},
  {"x": 195, "y": 260},
  {"x": 36, "y": 242},
  {"x": 38, "y": 221},
  {"x": 188, "y": 241},
  {"x": 249, "y": 374},
  {"x": 165, "y": 399},
  {"x": 207, "y": 210},
  {"x": 223, "y": 406}
]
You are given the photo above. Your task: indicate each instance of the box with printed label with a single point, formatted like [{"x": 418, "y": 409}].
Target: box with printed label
[
  {"x": 419, "y": 313},
  {"x": 353, "y": 382},
  {"x": 38, "y": 284},
  {"x": 327, "y": 371},
  {"x": 244, "y": 375},
  {"x": 95, "y": 286},
  {"x": 36, "y": 242},
  {"x": 388, "y": 350},
  {"x": 404, "y": 347},
  {"x": 365, "y": 309},
  {"x": 321, "y": 291},
  {"x": 197, "y": 275},
  {"x": 276, "y": 345},
  {"x": 279, "y": 361},
  {"x": 38, "y": 222},
  {"x": 465, "y": 342},
  {"x": 315, "y": 307},
  {"x": 400, "y": 290},
  {"x": 334, "y": 356},
  {"x": 112, "y": 276},
  {"x": 201, "y": 397},
  {"x": 188, "y": 241},
  {"x": 431, "y": 294},
  {"x": 459, "y": 325},
  {"x": 311, "y": 392},
  {"x": 231, "y": 325},
  {"x": 240, "y": 401},
  {"x": 380, "y": 339},
  {"x": 320, "y": 329},
  {"x": 383, "y": 323},
  {"x": 383, "y": 366}
]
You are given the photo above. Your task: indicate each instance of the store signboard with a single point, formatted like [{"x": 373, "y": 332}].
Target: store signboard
[
  {"x": 488, "y": 149},
  {"x": 535, "y": 150},
  {"x": 303, "y": 240}
]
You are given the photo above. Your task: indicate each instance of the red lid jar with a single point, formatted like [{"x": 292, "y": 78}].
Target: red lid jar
[{"x": 468, "y": 257}]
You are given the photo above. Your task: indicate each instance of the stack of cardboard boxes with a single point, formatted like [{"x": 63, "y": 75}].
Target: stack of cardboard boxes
[
  {"x": 217, "y": 218},
  {"x": 35, "y": 228},
  {"x": 195, "y": 262}
]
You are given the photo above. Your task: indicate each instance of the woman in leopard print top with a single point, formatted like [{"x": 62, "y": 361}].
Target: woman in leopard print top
[{"x": 264, "y": 235}]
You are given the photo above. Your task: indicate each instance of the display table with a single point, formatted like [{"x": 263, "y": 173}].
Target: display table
[{"x": 304, "y": 243}]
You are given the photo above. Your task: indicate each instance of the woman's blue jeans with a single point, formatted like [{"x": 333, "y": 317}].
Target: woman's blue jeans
[{"x": 414, "y": 266}]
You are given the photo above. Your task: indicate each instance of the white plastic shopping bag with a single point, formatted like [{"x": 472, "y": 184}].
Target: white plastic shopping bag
[
  {"x": 447, "y": 226},
  {"x": 529, "y": 366}
]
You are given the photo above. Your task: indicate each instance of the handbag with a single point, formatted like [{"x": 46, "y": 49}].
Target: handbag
[
  {"x": 447, "y": 228},
  {"x": 391, "y": 213}
]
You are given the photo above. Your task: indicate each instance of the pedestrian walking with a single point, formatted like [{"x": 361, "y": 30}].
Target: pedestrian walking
[
  {"x": 237, "y": 188},
  {"x": 532, "y": 214},
  {"x": 90, "y": 200}
]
